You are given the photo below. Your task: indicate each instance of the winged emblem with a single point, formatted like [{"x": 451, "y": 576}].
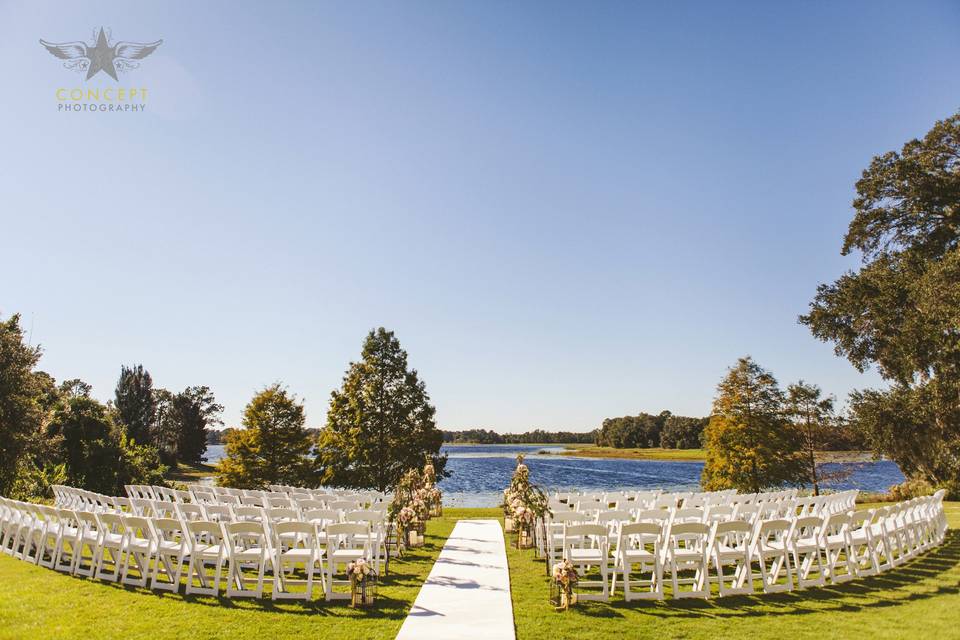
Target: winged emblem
[{"x": 101, "y": 55}]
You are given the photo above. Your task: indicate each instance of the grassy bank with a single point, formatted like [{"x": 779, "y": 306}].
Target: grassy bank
[
  {"x": 190, "y": 472},
  {"x": 912, "y": 601},
  {"x": 593, "y": 451},
  {"x": 41, "y": 603}
]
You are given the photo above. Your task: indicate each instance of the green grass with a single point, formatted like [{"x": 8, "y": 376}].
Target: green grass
[
  {"x": 919, "y": 599},
  {"x": 40, "y": 603},
  {"x": 190, "y": 472},
  {"x": 593, "y": 451}
]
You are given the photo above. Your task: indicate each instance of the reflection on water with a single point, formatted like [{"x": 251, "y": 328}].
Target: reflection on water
[{"x": 479, "y": 473}]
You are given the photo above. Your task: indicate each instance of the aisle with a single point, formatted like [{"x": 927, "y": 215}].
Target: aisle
[{"x": 467, "y": 594}]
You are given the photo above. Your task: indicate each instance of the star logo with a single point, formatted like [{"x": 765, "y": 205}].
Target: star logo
[{"x": 101, "y": 55}]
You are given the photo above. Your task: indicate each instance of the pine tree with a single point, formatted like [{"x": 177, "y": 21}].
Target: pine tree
[
  {"x": 380, "y": 423},
  {"x": 272, "y": 448},
  {"x": 750, "y": 445},
  {"x": 136, "y": 404}
]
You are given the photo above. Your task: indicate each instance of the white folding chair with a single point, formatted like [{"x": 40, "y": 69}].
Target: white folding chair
[
  {"x": 247, "y": 547},
  {"x": 638, "y": 544},
  {"x": 346, "y": 543},
  {"x": 730, "y": 547},
  {"x": 835, "y": 539},
  {"x": 206, "y": 549},
  {"x": 770, "y": 550},
  {"x": 804, "y": 541},
  {"x": 110, "y": 547},
  {"x": 171, "y": 553},
  {"x": 687, "y": 551},
  {"x": 586, "y": 545},
  {"x": 139, "y": 548}
]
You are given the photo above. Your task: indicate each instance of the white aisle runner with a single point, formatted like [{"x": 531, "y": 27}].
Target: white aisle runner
[{"x": 467, "y": 594}]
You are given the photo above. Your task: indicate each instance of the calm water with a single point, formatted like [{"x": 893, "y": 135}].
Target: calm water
[{"x": 479, "y": 473}]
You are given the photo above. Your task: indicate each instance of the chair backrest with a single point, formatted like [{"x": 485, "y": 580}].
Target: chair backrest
[
  {"x": 218, "y": 512},
  {"x": 614, "y": 516},
  {"x": 111, "y": 522},
  {"x": 245, "y": 535},
  {"x": 689, "y": 535},
  {"x": 248, "y": 513},
  {"x": 344, "y": 505},
  {"x": 585, "y": 535},
  {"x": 282, "y": 514},
  {"x": 169, "y": 530},
  {"x": 688, "y": 515},
  {"x": 190, "y": 512},
  {"x": 138, "y": 527},
  {"x": 733, "y": 534},
  {"x": 653, "y": 515},
  {"x": 321, "y": 517},
  {"x": 205, "y": 532},
  {"x": 348, "y": 535},
  {"x": 639, "y": 535},
  {"x": 719, "y": 513}
]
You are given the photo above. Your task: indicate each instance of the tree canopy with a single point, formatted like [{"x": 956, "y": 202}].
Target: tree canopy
[
  {"x": 136, "y": 403},
  {"x": 21, "y": 410},
  {"x": 380, "y": 422},
  {"x": 901, "y": 311},
  {"x": 273, "y": 447},
  {"x": 750, "y": 445}
]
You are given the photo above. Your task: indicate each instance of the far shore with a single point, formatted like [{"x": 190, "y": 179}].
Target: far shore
[{"x": 675, "y": 455}]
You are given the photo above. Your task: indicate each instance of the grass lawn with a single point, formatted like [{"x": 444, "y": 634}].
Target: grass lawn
[
  {"x": 919, "y": 599},
  {"x": 188, "y": 473},
  {"x": 41, "y": 603},
  {"x": 593, "y": 451}
]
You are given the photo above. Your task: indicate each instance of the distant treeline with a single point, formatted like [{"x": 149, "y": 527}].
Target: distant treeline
[
  {"x": 647, "y": 431},
  {"x": 668, "y": 431},
  {"x": 537, "y": 436}
]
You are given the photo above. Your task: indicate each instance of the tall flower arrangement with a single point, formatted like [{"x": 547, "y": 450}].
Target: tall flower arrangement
[
  {"x": 432, "y": 494},
  {"x": 524, "y": 503}
]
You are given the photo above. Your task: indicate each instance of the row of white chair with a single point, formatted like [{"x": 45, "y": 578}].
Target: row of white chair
[
  {"x": 810, "y": 549},
  {"x": 154, "y": 552}
]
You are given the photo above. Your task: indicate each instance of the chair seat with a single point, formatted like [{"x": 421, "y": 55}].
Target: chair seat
[
  {"x": 682, "y": 555},
  {"x": 207, "y": 551},
  {"x": 347, "y": 554},
  {"x": 248, "y": 555},
  {"x": 585, "y": 555},
  {"x": 299, "y": 554},
  {"x": 639, "y": 556},
  {"x": 141, "y": 545}
]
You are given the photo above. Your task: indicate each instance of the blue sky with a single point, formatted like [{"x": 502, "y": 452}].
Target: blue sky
[{"x": 566, "y": 211}]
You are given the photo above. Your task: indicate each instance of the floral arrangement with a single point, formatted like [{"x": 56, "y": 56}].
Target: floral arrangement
[
  {"x": 405, "y": 516},
  {"x": 564, "y": 576},
  {"x": 363, "y": 583},
  {"x": 523, "y": 502},
  {"x": 565, "y": 573},
  {"x": 359, "y": 570}
]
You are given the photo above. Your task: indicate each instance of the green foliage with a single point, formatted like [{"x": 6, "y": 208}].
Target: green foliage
[
  {"x": 680, "y": 432},
  {"x": 380, "y": 423},
  {"x": 630, "y": 432},
  {"x": 750, "y": 445},
  {"x": 813, "y": 417},
  {"x": 135, "y": 403},
  {"x": 272, "y": 448},
  {"x": 21, "y": 400},
  {"x": 901, "y": 310},
  {"x": 194, "y": 410},
  {"x": 95, "y": 453}
]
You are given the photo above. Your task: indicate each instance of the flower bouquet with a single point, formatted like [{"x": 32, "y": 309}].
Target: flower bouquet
[
  {"x": 563, "y": 579},
  {"x": 363, "y": 583}
]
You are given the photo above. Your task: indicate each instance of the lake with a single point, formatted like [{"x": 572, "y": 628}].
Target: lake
[{"x": 480, "y": 473}]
